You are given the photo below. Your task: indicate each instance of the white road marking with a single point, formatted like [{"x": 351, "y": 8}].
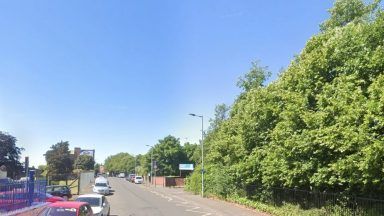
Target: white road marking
[{"x": 190, "y": 207}]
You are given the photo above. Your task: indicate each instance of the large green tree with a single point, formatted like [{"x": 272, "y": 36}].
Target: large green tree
[
  {"x": 10, "y": 155},
  {"x": 84, "y": 162},
  {"x": 59, "y": 160},
  {"x": 168, "y": 153},
  {"x": 121, "y": 162},
  {"x": 320, "y": 125}
]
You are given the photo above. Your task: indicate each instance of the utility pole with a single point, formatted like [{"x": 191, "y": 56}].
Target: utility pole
[{"x": 202, "y": 151}]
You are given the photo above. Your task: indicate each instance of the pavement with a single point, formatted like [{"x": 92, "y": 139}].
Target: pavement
[{"x": 132, "y": 199}]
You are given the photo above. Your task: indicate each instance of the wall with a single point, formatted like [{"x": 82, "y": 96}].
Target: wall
[
  {"x": 86, "y": 179},
  {"x": 174, "y": 182},
  {"x": 159, "y": 180}
]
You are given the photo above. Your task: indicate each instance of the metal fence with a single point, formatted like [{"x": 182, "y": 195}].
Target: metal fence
[
  {"x": 16, "y": 195},
  {"x": 330, "y": 203}
]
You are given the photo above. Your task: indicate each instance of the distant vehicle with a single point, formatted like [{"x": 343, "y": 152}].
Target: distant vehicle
[
  {"x": 121, "y": 175},
  {"x": 67, "y": 208},
  {"x": 131, "y": 178},
  {"x": 101, "y": 186},
  {"x": 138, "y": 180},
  {"x": 102, "y": 179},
  {"x": 59, "y": 190},
  {"x": 99, "y": 203}
]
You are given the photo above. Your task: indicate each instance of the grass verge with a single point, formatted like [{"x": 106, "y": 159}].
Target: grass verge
[{"x": 284, "y": 210}]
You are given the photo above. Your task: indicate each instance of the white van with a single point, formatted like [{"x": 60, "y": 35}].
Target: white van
[{"x": 101, "y": 186}]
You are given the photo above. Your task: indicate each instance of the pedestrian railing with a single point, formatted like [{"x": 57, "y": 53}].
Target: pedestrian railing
[
  {"x": 16, "y": 195},
  {"x": 331, "y": 203}
]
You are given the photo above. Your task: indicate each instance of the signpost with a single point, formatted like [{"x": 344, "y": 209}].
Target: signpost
[{"x": 185, "y": 167}]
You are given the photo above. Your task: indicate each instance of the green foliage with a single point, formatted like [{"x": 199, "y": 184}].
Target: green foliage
[
  {"x": 346, "y": 11},
  {"x": 284, "y": 210},
  {"x": 193, "y": 182},
  {"x": 121, "y": 162},
  {"x": 168, "y": 153},
  {"x": 221, "y": 114},
  {"x": 10, "y": 155},
  {"x": 59, "y": 161},
  {"x": 320, "y": 126},
  {"x": 254, "y": 78},
  {"x": 193, "y": 152},
  {"x": 84, "y": 162}
]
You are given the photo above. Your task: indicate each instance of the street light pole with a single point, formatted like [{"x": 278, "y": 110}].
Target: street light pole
[
  {"x": 151, "y": 162},
  {"x": 135, "y": 165},
  {"x": 202, "y": 151}
]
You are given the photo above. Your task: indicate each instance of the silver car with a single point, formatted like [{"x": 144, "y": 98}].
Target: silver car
[{"x": 101, "y": 188}]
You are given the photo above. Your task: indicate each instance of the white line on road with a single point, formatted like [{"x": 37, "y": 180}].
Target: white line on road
[{"x": 189, "y": 207}]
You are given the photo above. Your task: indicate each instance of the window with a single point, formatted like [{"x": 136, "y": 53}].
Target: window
[{"x": 83, "y": 211}]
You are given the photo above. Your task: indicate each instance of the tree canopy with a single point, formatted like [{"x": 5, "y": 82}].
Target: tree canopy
[
  {"x": 168, "y": 153},
  {"x": 84, "y": 162},
  {"x": 320, "y": 125},
  {"x": 10, "y": 154},
  {"x": 59, "y": 160},
  {"x": 121, "y": 162}
]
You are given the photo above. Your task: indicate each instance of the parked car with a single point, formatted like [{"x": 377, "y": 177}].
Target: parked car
[
  {"x": 138, "y": 180},
  {"x": 121, "y": 175},
  {"x": 67, "y": 208},
  {"x": 53, "y": 199},
  {"x": 59, "y": 190},
  {"x": 99, "y": 203}
]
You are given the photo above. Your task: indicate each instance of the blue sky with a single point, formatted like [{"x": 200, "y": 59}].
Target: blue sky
[{"x": 116, "y": 76}]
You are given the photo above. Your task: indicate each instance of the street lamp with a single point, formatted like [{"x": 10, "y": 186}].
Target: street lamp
[
  {"x": 202, "y": 151},
  {"x": 151, "y": 161},
  {"x": 135, "y": 165}
]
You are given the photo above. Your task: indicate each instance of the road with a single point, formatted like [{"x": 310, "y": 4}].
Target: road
[{"x": 129, "y": 199}]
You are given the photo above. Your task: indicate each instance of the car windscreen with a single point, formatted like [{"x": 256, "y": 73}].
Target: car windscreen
[
  {"x": 101, "y": 184},
  {"x": 138, "y": 177},
  {"x": 93, "y": 201},
  {"x": 58, "y": 211}
]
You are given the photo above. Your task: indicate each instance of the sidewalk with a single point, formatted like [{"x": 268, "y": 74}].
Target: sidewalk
[{"x": 214, "y": 206}]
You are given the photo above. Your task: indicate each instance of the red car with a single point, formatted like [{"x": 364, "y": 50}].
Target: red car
[
  {"x": 53, "y": 199},
  {"x": 67, "y": 208}
]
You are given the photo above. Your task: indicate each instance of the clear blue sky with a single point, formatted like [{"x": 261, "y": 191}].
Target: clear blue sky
[{"x": 118, "y": 75}]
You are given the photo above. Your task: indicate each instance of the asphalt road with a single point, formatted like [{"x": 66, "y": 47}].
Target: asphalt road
[{"x": 129, "y": 199}]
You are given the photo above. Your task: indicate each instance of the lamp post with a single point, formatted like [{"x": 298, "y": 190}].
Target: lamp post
[
  {"x": 202, "y": 151},
  {"x": 135, "y": 165},
  {"x": 151, "y": 161}
]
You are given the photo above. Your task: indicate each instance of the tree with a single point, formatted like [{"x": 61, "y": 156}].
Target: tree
[
  {"x": 84, "y": 162},
  {"x": 320, "y": 125},
  {"x": 121, "y": 162},
  {"x": 255, "y": 78},
  {"x": 10, "y": 155},
  {"x": 168, "y": 154},
  {"x": 221, "y": 114},
  {"x": 346, "y": 11},
  {"x": 59, "y": 161},
  {"x": 96, "y": 168},
  {"x": 193, "y": 152}
]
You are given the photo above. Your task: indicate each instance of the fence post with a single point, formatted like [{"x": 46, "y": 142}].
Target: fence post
[{"x": 31, "y": 186}]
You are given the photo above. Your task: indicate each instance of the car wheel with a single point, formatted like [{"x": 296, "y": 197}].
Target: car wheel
[{"x": 65, "y": 198}]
